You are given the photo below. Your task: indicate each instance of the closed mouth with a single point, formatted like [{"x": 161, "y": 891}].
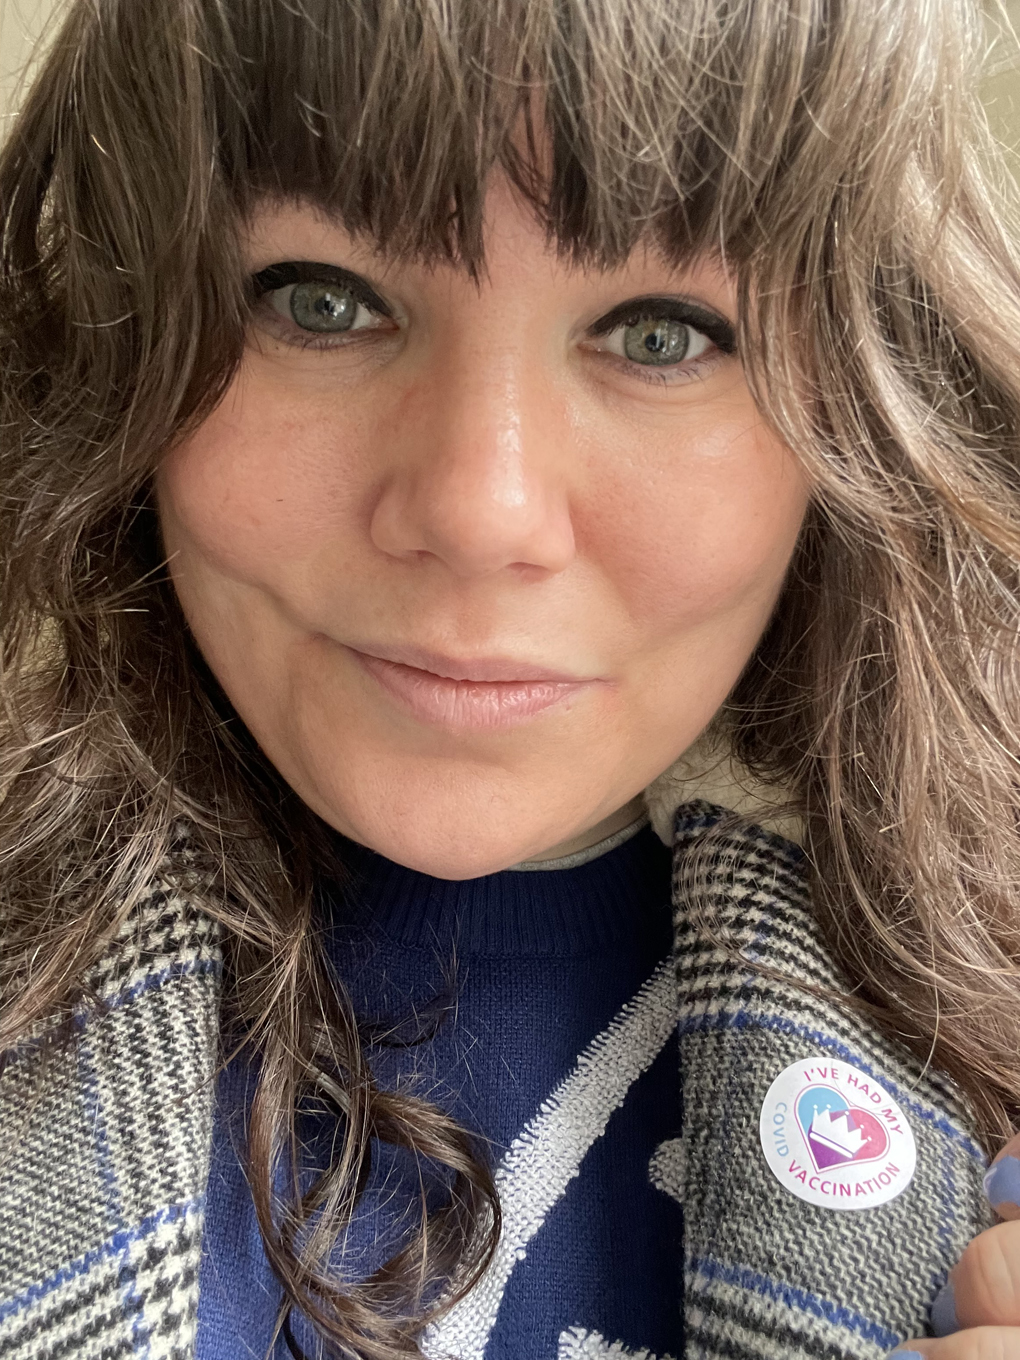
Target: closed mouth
[{"x": 485, "y": 697}]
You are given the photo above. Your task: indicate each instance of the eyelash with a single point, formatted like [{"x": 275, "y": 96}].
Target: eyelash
[
  {"x": 707, "y": 324},
  {"x": 711, "y": 325},
  {"x": 285, "y": 274}
]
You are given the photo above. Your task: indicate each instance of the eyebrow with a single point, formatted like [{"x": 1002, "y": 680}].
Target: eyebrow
[
  {"x": 675, "y": 308},
  {"x": 312, "y": 271}
]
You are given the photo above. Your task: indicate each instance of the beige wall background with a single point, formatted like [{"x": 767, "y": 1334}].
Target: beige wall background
[
  {"x": 1002, "y": 84},
  {"x": 23, "y": 21}
]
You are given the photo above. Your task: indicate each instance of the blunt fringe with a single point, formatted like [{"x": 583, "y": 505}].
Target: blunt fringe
[{"x": 833, "y": 154}]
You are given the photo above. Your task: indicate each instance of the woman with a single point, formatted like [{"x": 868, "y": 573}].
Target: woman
[{"x": 423, "y": 424}]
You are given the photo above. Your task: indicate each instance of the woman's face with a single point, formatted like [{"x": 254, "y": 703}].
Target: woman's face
[{"x": 476, "y": 560}]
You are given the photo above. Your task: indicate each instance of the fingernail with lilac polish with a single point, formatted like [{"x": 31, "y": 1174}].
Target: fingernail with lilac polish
[
  {"x": 1002, "y": 1182},
  {"x": 943, "y": 1311},
  {"x": 904, "y": 1355}
]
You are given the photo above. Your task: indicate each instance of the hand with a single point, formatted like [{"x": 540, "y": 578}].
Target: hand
[{"x": 976, "y": 1316}]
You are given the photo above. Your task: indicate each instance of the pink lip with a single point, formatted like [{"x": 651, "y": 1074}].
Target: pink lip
[{"x": 484, "y": 693}]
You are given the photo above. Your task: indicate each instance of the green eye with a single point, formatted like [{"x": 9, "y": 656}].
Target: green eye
[
  {"x": 657, "y": 340},
  {"x": 323, "y": 307}
]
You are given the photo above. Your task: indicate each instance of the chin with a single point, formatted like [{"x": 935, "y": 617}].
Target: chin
[
  {"x": 442, "y": 856},
  {"x": 447, "y": 817},
  {"x": 449, "y": 842}
]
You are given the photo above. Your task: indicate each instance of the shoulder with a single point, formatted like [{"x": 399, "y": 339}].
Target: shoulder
[
  {"x": 759, "y": 996},
  {"x": 111, "y": 1132}
]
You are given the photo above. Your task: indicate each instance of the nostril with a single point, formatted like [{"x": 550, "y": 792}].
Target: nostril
[{"x": 475, "y": 524}]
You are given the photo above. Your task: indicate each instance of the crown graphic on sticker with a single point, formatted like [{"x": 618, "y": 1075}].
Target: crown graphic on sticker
[
  {"x": 834, "y": 1131},
  {"x": 833, "y": 1136}
]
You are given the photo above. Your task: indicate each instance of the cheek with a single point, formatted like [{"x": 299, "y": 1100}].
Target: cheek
[
  {"x": 695, "y": 528},
  {"x": 258, "y": 489}
]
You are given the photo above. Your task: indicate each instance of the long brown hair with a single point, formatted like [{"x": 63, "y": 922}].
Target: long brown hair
[{"x": 833, "y": 154}]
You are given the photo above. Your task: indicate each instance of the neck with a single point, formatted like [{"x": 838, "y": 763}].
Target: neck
[{"x": 608, "y": 826}]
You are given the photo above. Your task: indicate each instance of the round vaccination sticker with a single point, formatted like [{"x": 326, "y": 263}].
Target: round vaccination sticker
[{"x": 834, "y": 1137}]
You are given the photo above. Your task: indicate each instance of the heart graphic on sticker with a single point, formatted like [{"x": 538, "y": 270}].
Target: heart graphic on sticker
[{"x": 837, "y": 1133}]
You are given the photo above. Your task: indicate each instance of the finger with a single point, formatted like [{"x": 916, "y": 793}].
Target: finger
[
  {"x": 978, "y": 1343},
  {"x": 983, "y": 1289},
  {"x": 1002, "y": 1181}
]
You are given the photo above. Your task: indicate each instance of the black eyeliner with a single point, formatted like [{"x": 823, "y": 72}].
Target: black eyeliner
[
  {"x": 654, "y": 307},
  {"x": 309, "y": 271}
]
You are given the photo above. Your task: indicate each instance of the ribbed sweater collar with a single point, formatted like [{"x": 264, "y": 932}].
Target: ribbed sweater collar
[{"x": 566, "y": 909}]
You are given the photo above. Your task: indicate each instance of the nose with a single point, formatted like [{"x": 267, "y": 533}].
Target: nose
[{"x": 478, "y": 477}]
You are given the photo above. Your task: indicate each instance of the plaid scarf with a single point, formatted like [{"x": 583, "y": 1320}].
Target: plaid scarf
[{"x": 105, "y": 1140}]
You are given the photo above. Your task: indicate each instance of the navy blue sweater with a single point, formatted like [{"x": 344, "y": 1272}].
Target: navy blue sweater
[{"x": 536, "y": 1006}]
